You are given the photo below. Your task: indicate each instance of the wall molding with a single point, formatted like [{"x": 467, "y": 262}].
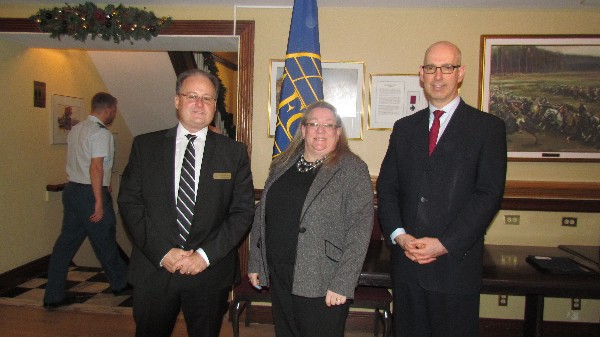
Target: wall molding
[
  {"x": 545, "y": 196},
  {"x": 551, "y": 196}
]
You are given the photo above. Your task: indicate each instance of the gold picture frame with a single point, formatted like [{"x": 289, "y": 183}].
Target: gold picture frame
[{"x": 547, "y": 90}]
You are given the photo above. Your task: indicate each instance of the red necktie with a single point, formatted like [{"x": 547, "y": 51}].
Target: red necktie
[{"x": 435, "y": 129}]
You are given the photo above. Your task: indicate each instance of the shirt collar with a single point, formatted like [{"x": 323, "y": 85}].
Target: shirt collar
[
  {"x": 181, "y": 132},
  {"x": 95, "y": 119},
  {"x": 448, "y": 108}
]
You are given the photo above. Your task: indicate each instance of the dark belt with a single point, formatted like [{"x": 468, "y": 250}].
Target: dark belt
[
  {"x": 84, "y": 185},
  {"x": 78, "y": 184}
]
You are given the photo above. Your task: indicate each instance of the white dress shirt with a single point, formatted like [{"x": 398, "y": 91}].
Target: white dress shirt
[{"x": 180, "y": 146}]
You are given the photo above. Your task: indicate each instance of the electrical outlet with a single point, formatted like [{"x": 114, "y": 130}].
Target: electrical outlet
[
  {"x": 576, "y": 304},
  {"x": 512, "y": 219},
  {"x": 569, "y": 221},
  {"x": 502, "y": 300}
]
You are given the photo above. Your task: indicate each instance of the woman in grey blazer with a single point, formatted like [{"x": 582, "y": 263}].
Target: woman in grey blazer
[{"x": 312, "y": 227}]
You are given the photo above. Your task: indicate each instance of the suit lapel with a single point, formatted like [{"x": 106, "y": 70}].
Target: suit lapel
[
  {"x": 455, "y": 128},
  {"x": 206, "y": 169},
  {"x": 325, "y": 174},
  {"x": 168, "y": 151},
  {"x": 421, "y": 136}
]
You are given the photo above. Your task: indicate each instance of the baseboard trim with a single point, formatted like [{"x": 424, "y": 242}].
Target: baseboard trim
[
  {"x": 495, "y": 327},
  {"x": 14, "y": 277}
]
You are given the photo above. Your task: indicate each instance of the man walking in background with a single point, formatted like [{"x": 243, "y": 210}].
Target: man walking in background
[{"x": 88, "y": 209}]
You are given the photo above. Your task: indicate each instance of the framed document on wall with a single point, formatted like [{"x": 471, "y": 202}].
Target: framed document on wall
[{"x": 393, "y": 97}]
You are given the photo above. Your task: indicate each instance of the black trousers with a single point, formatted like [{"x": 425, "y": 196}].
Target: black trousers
[
  {"x": 298, "y": 316},
  {"x": 422, "y": 313},
  {"x": 155, "y": 311}
]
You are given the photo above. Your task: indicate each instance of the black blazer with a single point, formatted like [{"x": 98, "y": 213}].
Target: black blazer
[
  {"x": 224, "y": 207},
  {"x": 452, "y": 195}
]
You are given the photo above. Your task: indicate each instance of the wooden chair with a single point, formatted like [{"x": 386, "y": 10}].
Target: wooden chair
[
  {"x": 243, "y": 296},
  {"x": 376, "y": 298}
]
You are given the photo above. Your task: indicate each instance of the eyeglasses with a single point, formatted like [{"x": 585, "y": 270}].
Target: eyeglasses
[
  {"x": 193, "y": 97},
  {"x": 326, "y": 127},
  {"x": 446, "y": 68}
]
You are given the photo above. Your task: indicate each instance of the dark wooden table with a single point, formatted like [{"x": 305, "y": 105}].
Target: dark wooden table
[
  {"x": 506, "y": 272},
  {"x": 589, "y": 254}
]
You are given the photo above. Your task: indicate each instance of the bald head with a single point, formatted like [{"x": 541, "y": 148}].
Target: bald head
[
  {"x": 446, "y": 48},
  {"x": 441, "y": 86}
]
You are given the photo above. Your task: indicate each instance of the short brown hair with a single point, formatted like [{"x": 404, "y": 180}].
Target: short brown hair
[
  {"x": 196, "y": 72},
  {"x": 103, "y": 100}
]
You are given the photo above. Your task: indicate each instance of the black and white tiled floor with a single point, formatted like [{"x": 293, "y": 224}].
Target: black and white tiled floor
[{"x": 89, "y": 286}]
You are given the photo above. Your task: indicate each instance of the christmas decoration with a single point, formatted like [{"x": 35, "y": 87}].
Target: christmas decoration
[
  {"x": 118, "y": 23},
  {"x": 225, "y": 118}
]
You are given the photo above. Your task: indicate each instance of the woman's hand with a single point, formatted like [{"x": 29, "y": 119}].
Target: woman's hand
[
  {"x": 334, "y": 299},
  {"x": 253, "y": 277}
]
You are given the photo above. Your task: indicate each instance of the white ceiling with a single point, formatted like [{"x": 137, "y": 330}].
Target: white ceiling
[
  {"x": 144, "y": 84},
  {"x": 158, "y": 43},
  {"x": 346, "y": 3}
]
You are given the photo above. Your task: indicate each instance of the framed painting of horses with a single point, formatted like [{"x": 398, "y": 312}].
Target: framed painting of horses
[{"x": 546, "y": 88}]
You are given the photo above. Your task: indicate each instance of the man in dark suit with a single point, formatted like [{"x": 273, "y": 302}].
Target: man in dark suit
[
  {"x": 184, "y": 255},
  {"x": 440, "y": 185}
]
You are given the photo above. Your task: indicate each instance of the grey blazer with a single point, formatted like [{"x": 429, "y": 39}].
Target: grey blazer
[{"x": 335, "y": 228}]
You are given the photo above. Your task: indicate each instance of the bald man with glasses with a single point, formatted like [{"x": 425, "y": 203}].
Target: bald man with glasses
[{"x": 440, "y": 185}]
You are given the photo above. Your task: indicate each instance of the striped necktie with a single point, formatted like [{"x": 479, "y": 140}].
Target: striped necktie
[{"x": 186, "y": 196}]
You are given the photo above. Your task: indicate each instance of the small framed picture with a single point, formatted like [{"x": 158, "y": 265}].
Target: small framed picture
[{"x": 66, "y": 113}]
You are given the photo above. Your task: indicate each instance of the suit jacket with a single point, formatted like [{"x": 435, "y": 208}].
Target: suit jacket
[
  {"x": 335, "y": 228},
  {"x": 223, "y": 211},
  {"x": 452, "y": 195}
]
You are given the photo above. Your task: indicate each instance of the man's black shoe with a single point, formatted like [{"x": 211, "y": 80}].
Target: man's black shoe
[
  {"x": 68, "y": 300},
  {"x": 126, "y": 290}
]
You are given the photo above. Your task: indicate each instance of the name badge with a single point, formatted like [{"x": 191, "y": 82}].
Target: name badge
[{"x": 222, "y": 175}]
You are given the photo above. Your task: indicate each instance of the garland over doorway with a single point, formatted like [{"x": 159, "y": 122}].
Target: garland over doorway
[{"x": 118, "y": 23}]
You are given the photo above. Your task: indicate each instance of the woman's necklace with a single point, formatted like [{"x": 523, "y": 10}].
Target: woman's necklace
[{"x": 304, "y": 166}]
